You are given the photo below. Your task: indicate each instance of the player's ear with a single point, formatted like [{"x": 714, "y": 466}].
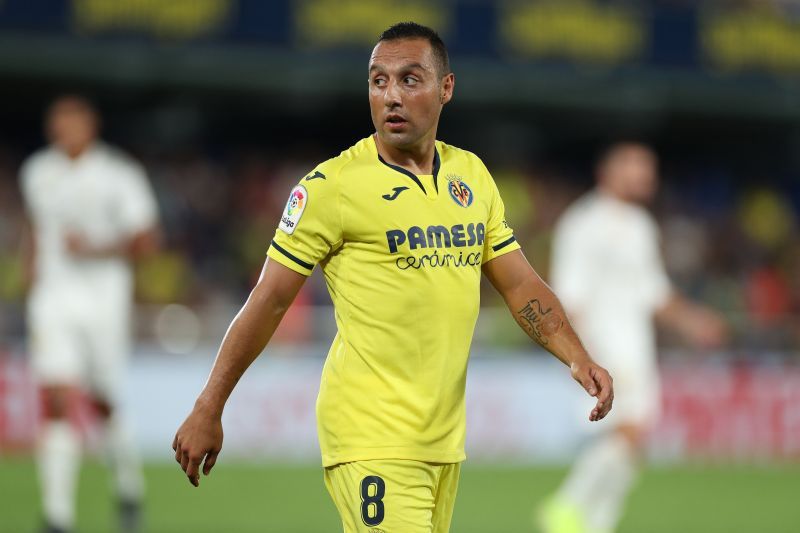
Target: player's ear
[{"x": 447, "y": 85}]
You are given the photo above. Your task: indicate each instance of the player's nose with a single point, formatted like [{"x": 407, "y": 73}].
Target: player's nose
[{"x": 391, "y": 97}]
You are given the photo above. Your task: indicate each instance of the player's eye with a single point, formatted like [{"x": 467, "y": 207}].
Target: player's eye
[
  {"x": 410, "y": 80},
  {"x": 379, "y": 82}
]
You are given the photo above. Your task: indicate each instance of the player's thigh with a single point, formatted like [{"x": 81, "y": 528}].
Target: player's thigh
[
  {"x": 445, "y": 497},
  {"x": 108, "y": 340},
  {"x": 55, "y": 346},
  {"x": 384, "y": 495}
]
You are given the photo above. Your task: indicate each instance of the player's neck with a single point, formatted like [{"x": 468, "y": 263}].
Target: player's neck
[
  {"x": 610, "y": 193},
  {"x": 75, "y": 152},
  {"x": 417, "y": 159},
  {"x": 620, "y": 198}
]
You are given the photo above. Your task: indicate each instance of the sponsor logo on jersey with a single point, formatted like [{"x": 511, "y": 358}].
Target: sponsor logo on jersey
[
  {"x": 459, "y": 191},
  {"x": 439, "y": 236},
  {"x": 298, "y": 199}
]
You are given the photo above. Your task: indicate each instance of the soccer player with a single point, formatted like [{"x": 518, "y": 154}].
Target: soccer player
[
  {"x": 402, "y": 226},
  {"x": 607, "y": 269},
  {"x": 91, "y": 211}
]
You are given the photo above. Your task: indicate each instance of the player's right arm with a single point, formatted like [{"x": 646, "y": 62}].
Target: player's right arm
[
  {"x": 199, "y": 439},
  {"x": 309, "y": 229}
]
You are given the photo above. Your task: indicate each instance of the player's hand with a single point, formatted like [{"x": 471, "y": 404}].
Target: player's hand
[
  {"x": 705, "y": 328},
  {"x": 76, "y": 244},
  {"x": 198, "y": 441},
  {"x": 598, "y": 383}
]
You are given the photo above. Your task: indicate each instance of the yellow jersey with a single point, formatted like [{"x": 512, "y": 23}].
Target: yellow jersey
[{"x": 401, "y": 255}]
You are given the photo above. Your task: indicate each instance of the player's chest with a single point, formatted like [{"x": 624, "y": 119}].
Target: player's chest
[
  {"x": 80, "y": 193},
  {"x": 623, "y": 250},
  {"x": 396, "y": 214}
]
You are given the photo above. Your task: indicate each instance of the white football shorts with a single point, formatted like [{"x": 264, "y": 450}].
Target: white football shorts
[{"x": 80, "y": 343}]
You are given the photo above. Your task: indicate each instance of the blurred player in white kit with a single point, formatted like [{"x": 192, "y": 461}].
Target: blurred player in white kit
[
  {"x": 91, "y": 211},
  {"x": 608, "y": 272}
]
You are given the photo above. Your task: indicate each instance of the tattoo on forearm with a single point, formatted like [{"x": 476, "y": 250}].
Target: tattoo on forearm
[{"x": 538, "y": 322}]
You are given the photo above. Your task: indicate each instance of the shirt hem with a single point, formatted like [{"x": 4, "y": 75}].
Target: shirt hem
[
  {"x": 411, "y": 454},
  {"x": 494, "y": 254},
  {"x": 279, "y": 257}
]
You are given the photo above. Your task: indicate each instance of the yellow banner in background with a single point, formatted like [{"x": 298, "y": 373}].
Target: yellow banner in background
[
  {"x": 359, "y": 22},
  {"x": 753, "y": 38},
  {"x": 169, "y": 19},
  {"x": 575, "y": 30}
]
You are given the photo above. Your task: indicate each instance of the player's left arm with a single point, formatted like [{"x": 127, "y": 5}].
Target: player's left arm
[
  {"x": 539, "y": 313},
  {"x": 698, "y": 324},
  {"x": 701, "y": 326}
]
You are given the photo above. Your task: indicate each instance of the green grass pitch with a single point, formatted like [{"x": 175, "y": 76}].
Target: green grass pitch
[{"x": 240, "y": 497}]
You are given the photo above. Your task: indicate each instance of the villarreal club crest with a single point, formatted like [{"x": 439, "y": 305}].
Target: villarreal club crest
[{"x": 459, "y": 191}]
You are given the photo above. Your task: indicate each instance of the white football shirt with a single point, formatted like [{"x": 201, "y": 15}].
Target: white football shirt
[
  {"x": 104, "y": 196},
  {"x": 608, "y": 273}
]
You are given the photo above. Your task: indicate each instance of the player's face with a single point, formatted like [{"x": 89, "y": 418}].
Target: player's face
[
  {"x": 632, "y": 173},
  {"x": 406, "y": 94},
  {"x": 71, "y": 125}
]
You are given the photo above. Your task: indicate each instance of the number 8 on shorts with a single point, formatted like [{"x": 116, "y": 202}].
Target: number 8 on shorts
[{"x": 373, "y": 489}]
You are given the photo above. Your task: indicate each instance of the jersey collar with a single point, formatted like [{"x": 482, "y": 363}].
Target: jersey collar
[{"x": 436, "y": 164}]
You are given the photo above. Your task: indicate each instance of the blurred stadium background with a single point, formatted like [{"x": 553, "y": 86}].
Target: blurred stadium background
[{"x": 229, "y": 102}]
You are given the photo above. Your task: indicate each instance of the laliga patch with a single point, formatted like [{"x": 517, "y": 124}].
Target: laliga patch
[
  {"x": 459, "y": 191},
  {"x": 298, "y": 200}
]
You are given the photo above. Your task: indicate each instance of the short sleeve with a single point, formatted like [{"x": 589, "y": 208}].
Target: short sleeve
[
  {"x": 138, "y": 209},
  {"x": 34, "y": 194},
  {"x": 310, "y": 226},
  {"x": 499, "y": 235},
  {"x": 25, "y": 185}
]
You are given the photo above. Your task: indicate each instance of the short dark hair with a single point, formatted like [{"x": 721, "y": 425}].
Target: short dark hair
[
  {"x": 76, "y": 99},
  {"x": 412, "y": 30},
  {"x": 612, "y": 147}
]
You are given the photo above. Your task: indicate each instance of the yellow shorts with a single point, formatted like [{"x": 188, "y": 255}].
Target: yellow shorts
[{"x": 394, "y": 495}]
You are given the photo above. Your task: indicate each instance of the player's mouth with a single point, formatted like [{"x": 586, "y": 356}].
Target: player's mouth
[{"x": 395, "y": 122}]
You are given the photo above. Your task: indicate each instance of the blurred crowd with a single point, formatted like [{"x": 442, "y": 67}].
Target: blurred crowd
[{"x": 733, "y": 244}]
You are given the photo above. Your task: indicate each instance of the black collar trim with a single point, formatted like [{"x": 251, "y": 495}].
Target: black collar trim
[{"x": 436, "y": 164}]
